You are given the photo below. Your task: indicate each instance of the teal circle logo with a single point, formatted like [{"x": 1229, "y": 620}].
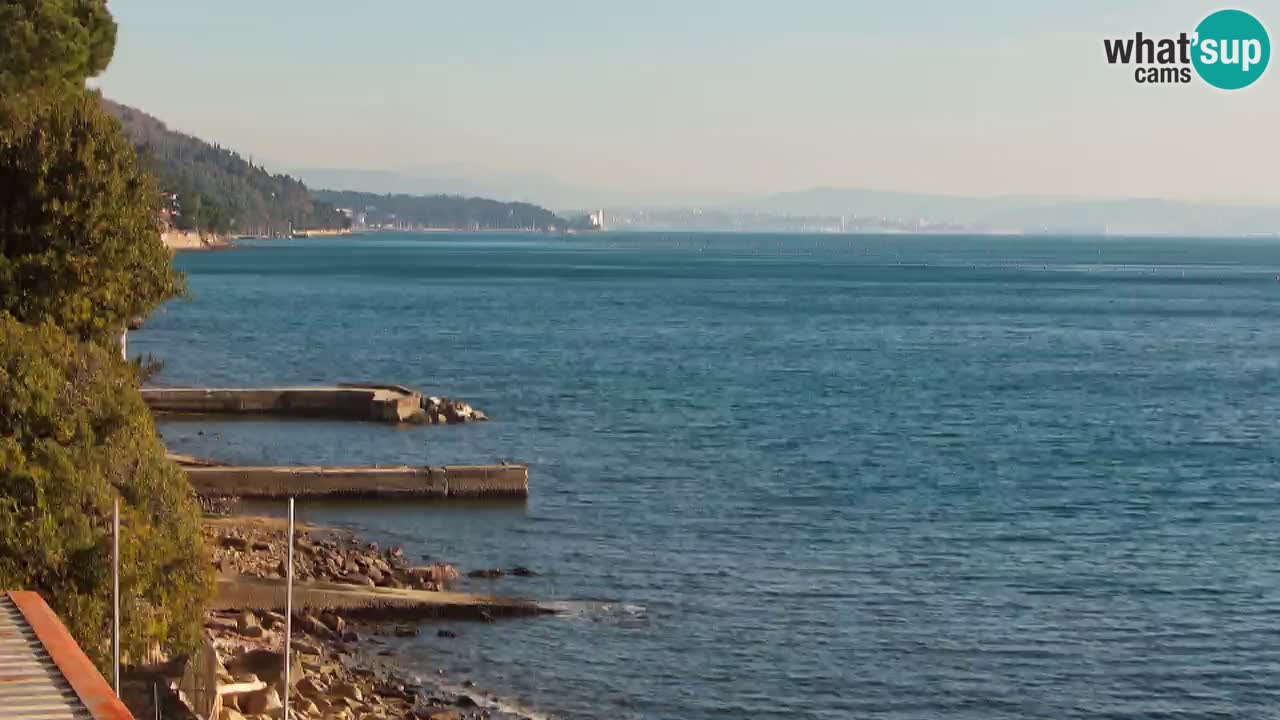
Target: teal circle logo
[{"x": 1231, "y": 49}]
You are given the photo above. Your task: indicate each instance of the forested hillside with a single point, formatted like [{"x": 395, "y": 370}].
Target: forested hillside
[
  {"x": 442, "y": 211},
  {"x": 216, "y": 189}
]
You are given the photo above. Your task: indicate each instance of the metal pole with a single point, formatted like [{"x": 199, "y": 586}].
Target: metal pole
[
  {"x": 115, "y": 597},
  {"x": 288, "y": 611}
]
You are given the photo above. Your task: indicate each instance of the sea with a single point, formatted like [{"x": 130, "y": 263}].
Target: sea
[{"x": 801, "y": 476}]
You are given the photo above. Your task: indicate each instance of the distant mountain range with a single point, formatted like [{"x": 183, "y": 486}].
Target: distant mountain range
[
  {"x": 1027, "y": 213},
  {"x": 827, "y": 208}
]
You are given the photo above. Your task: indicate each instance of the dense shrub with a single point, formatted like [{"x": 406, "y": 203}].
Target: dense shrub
[
  {"x": 74, "y": 435},
  {"x": 79, "y": 221}
]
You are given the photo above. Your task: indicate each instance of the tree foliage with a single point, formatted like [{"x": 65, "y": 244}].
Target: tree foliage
[
  {"x": 74, "y": 435},
  {"x": 218, "y": 190},
  {"x": 52, "y": 43},
  {"x": 80, "y": 253},
  {"x": 79, "y": 219}
]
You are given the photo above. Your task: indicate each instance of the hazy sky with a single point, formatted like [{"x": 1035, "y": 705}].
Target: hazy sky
[{"x": 1004, "y": 96}]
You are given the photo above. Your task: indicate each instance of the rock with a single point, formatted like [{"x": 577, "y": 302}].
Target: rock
[
  {"x": 308, "y": 708},
  {"x": 253, "y": 631},
  {"x": 223, "y": 624},
  {"x": 347, "y": 691},
  {"x": 247, "y": 620},
  {"x": 522, "y": 571},
  {"x": 312, "y": 626},
  {"x": 261, "y": 702},
  {"x": 268, "y": 665},
  {"x": 389, "y": 690},
  {"x": 351, "y": 636},
  {"x": 404, "y": 631},
  {"x": 446, "y": 634},
  {"x": 334, "y": 622},
  {"x": 245, "y": 678},
  {"x": 357, "y": 579},
  {"x": 234, "y": 542},
  {"x": 488, "y": 574},
  {"x": 261, "y": 546},
  {"x": 374, "y": 574},
  {"x": 304, "y": 647},
  {"x": 229, "y": 714},
  {"x": 465, "y": 701},
  {"x": 311, "y": 687}
]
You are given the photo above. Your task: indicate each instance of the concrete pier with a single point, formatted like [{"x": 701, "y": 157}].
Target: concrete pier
[
  {"x": 385, "y": 403},
  {"x": 369, "y": 603},
  {"x": 449, "y": 481}
]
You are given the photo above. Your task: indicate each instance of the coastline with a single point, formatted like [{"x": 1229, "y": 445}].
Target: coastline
[{"x": 187, "y": 240}]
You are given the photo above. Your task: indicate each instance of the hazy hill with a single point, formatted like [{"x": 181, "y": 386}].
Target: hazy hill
[{"x": 442, "y": 211}]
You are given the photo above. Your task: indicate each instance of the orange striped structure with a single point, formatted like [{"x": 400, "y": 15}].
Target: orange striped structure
[{"x": 43, "y": 673}]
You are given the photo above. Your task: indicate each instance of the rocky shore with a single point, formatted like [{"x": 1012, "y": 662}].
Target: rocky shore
[
  {"x": 336, "y": 672},
  {"x": 193, "y": 240},
  {"x": 256, "y": 547},
  {"x": 341, "y": 665}
]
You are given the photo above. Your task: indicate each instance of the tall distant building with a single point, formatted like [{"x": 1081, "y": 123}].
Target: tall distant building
[{"x": 597, "y": 219}]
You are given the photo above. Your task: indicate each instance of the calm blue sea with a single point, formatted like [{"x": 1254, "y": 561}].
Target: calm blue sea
[{"x": 811, "y": 476}]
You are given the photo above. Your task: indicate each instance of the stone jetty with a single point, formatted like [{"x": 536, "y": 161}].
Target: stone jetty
[
  {"x": 317, "y": 482},
  {"x": 345, "y": 401}
]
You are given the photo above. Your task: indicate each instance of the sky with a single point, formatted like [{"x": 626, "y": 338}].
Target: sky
[{"x": 700, "y": 98}]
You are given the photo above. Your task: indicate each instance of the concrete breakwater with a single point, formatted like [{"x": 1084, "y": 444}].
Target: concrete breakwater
[
  {"x": 371, "y": 603},
  {"x": 383, "y": 403},
  {"x": 449, "y": 481}
]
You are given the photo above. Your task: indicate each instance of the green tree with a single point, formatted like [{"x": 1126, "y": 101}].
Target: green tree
[
  {"x": 80, "y": 252},
  {"x": 79, "y": 218},
  {"x": 74, "y": 435},
  {"x": 50, "y": 43}
]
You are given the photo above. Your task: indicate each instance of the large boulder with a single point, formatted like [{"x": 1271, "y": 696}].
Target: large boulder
[
  {"x": 438, "y": 573},
  {"x": 261, "y": 702}
]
